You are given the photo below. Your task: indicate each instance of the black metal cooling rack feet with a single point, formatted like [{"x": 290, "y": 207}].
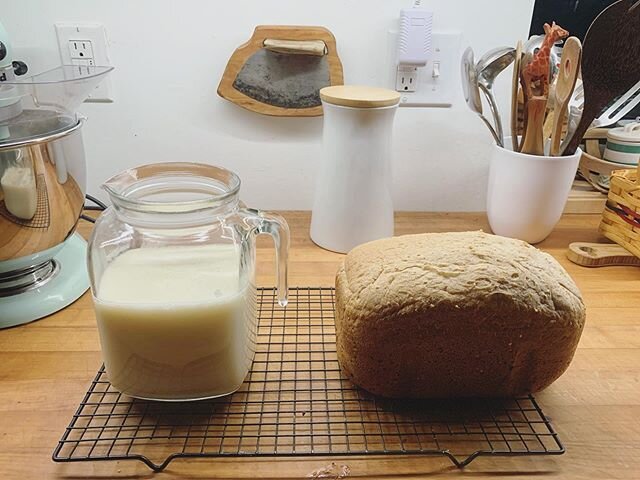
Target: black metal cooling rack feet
[{"x": 296, "y": 402}]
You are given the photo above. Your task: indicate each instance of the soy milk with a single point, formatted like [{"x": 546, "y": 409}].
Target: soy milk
[{"x": 176, "y": 323}]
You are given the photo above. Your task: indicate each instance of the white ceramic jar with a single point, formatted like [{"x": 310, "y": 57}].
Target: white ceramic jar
[
  {"x": 623, "y": 144},
  {"x": 352, "y": 201}
]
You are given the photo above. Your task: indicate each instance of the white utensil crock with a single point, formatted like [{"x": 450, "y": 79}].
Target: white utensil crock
[
  {"x": 527, "y": 193},
  {"x": 352, "y": 202}
]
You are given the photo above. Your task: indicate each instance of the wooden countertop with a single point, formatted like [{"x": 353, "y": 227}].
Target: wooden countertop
[{"x": 46, "y": 367}]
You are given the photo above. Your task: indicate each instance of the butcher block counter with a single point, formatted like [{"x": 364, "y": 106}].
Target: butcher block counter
[{"x": 47, "y": 366}]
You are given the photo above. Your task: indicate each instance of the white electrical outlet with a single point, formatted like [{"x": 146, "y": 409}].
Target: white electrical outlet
[
  {"x": 81, "y": 50},
  {"x": 85, "y": 45},
  {"x": 435, "y": 84},
  {"x": 406, "y": 79}
]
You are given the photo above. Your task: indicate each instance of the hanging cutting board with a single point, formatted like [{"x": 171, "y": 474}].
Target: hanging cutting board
[{"x": 281, "y": 70}]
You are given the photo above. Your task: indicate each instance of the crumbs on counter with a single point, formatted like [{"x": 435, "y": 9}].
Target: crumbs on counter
[{"x": 332, "y": 471}]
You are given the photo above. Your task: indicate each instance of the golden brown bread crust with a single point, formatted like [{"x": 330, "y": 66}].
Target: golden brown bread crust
[{"x": 455, "y": 314}]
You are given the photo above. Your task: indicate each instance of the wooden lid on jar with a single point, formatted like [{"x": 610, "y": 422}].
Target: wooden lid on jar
[{"x": 359, "y": 96}]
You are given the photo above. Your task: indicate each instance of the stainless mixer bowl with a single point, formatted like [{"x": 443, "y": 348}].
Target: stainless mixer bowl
[{"x": 42, "y": 188}]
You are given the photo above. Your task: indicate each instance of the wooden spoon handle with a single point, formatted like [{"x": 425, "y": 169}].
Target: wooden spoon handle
[
  {"x": 556, "y": 132},
  {"x": 515, "y": 86},
  {"x": 533, "y": 141},
  {"x": 547, "y": 129}
]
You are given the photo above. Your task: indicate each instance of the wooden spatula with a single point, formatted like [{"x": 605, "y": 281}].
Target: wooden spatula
[
  {"x": 567, "y": 76},
  {"x": 610, "y": 62}
]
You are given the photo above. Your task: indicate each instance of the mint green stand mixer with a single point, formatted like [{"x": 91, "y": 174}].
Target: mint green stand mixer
[{"x": 42, "y": 187}]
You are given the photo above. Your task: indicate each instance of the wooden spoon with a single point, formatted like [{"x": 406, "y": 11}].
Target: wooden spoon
[
  {"x": 515, "y": 85},
  {"x": 567, "y": 76},
  {"x": 533, "y": 139},
  {"x": 610, "y": 62},
  {"x": 547, "y": 129}
]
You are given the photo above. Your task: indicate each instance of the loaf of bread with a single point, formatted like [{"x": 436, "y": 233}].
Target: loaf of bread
[{"x": 455, "y": 314}]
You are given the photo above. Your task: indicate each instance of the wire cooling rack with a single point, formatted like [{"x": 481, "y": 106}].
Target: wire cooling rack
[{"x": 296, "y": 402}]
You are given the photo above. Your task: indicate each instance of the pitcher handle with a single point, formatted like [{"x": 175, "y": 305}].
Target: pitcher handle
[{"x": 277, "y": 227}]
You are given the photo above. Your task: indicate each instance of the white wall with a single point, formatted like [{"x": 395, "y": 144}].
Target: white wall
[{"x": 169, "y": 56}]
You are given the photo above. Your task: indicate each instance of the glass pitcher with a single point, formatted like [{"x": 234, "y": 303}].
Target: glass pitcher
[{"x": 172, "y": 268}]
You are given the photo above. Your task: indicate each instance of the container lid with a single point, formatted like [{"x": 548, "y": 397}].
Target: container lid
[
  {"x": 628, "y": 133},
  {"x": 359, "y": 96}
]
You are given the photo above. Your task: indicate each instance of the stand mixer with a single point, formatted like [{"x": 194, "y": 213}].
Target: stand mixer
[{"x": 42, "y": 187}]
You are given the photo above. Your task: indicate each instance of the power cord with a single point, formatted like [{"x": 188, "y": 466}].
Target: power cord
[{"x": 99, "y": 206}]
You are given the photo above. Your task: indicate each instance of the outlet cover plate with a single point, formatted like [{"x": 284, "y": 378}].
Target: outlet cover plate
[
  {"x": 430, "y": 91},
  {"x": 95, "y": 36}
]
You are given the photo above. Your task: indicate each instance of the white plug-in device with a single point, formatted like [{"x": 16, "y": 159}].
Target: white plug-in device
[
  {"x": 414, "y": 37},
  {"x": 414, "y": 45}
]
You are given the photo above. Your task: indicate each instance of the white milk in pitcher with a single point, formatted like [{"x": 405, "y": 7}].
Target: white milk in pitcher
[{"x": 175, "y": 322}]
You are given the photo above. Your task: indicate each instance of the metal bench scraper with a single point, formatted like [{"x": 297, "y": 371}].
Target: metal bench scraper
[{"x": 281, "y": 70}]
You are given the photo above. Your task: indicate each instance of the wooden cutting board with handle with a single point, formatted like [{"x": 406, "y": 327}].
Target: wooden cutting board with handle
[{"x": 600, "y": 255}]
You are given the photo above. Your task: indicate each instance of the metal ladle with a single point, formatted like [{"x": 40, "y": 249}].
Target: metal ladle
[
  {"x": 490, "y": 65},
  {"x": 471, "y": 90}
]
